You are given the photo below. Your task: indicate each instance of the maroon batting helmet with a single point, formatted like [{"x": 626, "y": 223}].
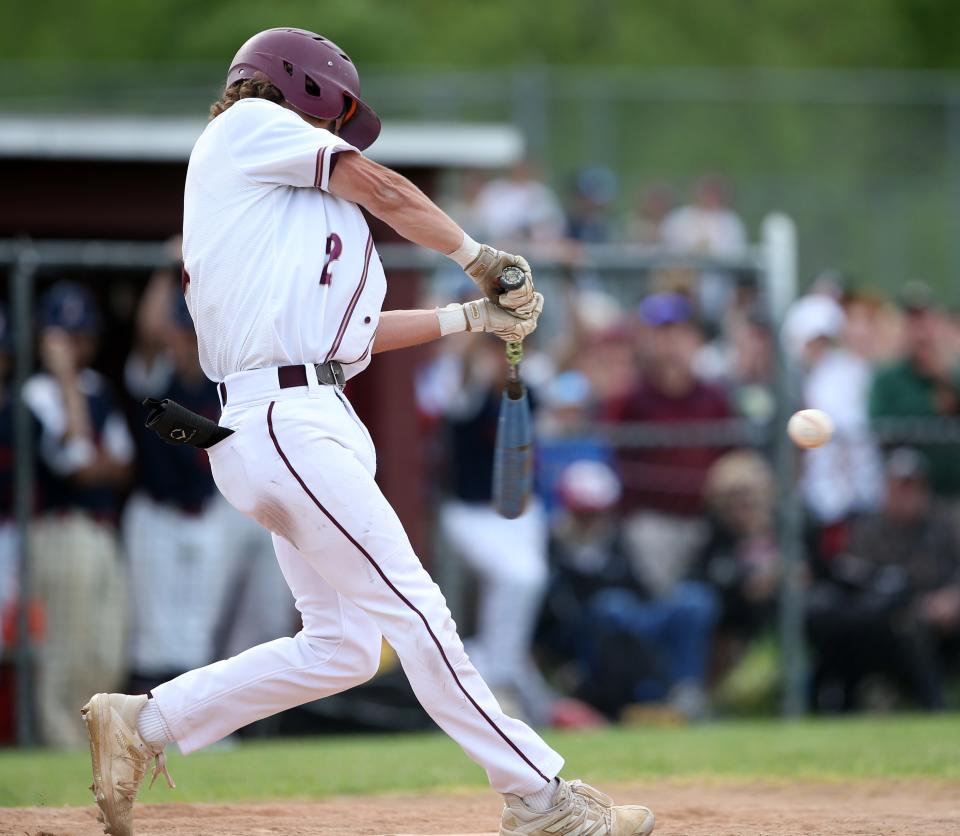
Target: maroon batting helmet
[{"x": 314, "y": 75}]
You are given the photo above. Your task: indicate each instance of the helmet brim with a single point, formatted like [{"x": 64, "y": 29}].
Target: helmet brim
[{"x": 363, "y": 127}]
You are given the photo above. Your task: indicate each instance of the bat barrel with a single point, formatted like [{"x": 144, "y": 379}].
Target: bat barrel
[{"x": 513, "y": 456}]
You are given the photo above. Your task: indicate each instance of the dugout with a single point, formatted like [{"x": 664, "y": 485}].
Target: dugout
[{"x": 97, "y": 178}]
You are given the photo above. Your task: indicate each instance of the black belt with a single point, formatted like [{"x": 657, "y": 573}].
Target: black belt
[{"x": 289, "y": 377}]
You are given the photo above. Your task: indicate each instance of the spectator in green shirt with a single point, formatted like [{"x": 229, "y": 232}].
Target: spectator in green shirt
[{"x": 924, "y": 383}]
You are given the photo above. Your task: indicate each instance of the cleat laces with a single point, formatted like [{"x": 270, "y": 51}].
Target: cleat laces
[
  {"x": 585, "y": 800},
  {"x": 160, "y": 768}
]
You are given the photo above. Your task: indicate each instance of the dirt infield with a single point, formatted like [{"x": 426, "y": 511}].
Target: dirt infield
[{"x": 862, "y": 808}]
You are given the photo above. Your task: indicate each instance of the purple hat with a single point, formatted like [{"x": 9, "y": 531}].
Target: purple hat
[
  {"x": 666, "y": 309},
  {"x": 314, "y": 75}
]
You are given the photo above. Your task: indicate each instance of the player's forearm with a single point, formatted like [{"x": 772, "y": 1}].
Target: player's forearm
[
  {"x": 404, "y": 329},
  {"x": 396, "y": 201}
]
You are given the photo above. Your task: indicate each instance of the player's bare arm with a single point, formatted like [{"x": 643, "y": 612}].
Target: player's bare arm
[
  {"x": 396, "y": 201},
  {"x": 404, "y": 329}
]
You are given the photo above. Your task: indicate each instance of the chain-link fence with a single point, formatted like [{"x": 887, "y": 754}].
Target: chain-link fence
[
  {"x": 867, "y": 163},
  {"x": 620, "y": 272}
]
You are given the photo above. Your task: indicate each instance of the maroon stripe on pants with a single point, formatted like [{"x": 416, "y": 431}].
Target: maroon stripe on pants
[{"x": 396, "y": 592}]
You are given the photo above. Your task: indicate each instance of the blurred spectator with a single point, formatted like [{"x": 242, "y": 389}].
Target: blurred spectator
[
  {"x": 590, "y": 219},
  {"x": 520, "y": 208},
  {"x": 508, "y": 556},
  {"x": 742, "y": 363},
  {"x": 663, "y": 483},
  {"x": 462, "y": 201},
  {"x": 607, "y": 359},
  {"x": 741, "y": 559},
  {"x": 873, "y": 326},
  {"x": 85, "y": 459},
  {"x": 645, "y": 223},
  {"x": 189, "y": 552},
  {"x": 842, "y": 478},
  {"x": 891, "y": 602},
  {"x": 632, "y": 644},
  {"x": 709, "y": 227},
  {"x": 925, "y": 383},
  {"x": 172, "y": 530},
  {"x": 565, "y": 433}
]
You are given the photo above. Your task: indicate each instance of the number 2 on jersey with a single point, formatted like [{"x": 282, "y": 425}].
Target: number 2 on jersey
[{"x": 334, "y": 249}]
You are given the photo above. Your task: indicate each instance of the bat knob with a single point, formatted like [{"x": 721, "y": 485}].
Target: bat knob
[{"x": 512, "y": 278}]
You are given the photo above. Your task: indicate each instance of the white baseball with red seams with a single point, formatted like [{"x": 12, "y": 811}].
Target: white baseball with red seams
[
  {"x": 810, "y": 428},
  {"x": 281, "y": 272}
]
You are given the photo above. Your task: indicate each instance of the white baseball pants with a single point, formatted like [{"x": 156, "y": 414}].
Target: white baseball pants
[{"x": 302, "y": 464}]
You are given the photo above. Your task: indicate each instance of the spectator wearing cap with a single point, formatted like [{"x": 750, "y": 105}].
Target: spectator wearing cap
[
  {"x": 890, "y": 605},
  {"x": 86, "y": 456},
  {"x": 741, "y": 560},
  {"x": 632, "y": 645},
  {"x": 663, "y": 482},
  {"x": 843, "y": 478},
  {"x": 188, "y": 551},
  {"x": 925, "y": 384}
]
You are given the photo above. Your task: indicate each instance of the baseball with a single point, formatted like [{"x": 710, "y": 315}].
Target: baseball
[{"x": 810, "y": 428}]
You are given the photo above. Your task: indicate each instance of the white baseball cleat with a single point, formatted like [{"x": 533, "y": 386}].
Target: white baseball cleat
[
  {"x": 578, "y": 810},
  {"x": 120, "y": 758}
]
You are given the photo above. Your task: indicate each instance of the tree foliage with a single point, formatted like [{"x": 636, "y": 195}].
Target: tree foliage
[{"x": 456, "y": 33}]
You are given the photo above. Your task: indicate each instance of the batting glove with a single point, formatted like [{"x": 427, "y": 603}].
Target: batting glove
[
  {"x": 484, "y": 265},
  {"x": 484, "y": 315}
]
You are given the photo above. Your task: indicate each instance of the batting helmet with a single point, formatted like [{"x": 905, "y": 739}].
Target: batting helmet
[{"x": 314, "y": 75}]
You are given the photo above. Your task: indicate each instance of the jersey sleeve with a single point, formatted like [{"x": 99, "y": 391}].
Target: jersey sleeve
[{"x": 270, "y": 144}]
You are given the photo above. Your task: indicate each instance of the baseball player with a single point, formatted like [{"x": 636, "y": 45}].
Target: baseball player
[{"x": 285, "y": 289}]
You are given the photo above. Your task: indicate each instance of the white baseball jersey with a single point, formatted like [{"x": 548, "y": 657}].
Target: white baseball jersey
[{"x": 277, "y": 271}]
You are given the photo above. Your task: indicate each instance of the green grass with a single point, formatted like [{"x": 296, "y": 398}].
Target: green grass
[{"x": 898, "y": 747}]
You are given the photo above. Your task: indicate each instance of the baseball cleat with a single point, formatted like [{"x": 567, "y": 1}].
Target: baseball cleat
[
  {"x": 578, "y": 810},
  {"x": 120, "y": 758}
]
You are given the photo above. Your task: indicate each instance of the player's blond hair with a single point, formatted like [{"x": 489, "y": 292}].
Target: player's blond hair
[{"x": 256, "y": 87}]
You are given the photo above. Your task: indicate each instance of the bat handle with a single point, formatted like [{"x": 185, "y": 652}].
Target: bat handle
[{"x": 514, "y": 351}]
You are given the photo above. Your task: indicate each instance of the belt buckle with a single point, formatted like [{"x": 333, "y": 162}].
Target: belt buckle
[
  {"x": 336, "y": 372},
  {"x": 339, "y": 378}
]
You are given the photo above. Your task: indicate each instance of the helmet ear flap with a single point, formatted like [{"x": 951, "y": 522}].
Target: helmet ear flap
[{"x": 349, "y": 108}]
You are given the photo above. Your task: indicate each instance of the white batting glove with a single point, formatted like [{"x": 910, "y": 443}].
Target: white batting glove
[
  {"x": 484, "y": 315},
  {"x": 484, "y": 265}
]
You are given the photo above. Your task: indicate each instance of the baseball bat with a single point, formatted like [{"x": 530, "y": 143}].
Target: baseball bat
[{"x": 513, "y": 453}]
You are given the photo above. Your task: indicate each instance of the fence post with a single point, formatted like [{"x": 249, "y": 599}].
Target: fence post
[
  {"x": 531, "y": 111},
  {"x": 24, "y": 273},
  {"x": 780, "y": 251},
  {"x": 952, "y": 104}
]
